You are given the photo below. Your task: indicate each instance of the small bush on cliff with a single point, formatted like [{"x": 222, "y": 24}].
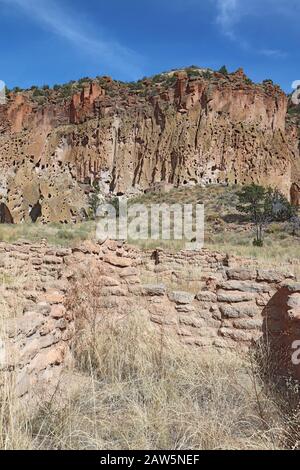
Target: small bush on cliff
[
  {"x": 158, "y": 78},
  {"x": 171, "y": 80},
  {"x": 66, "y": 91},
  {"x": 193, "y": 71},
  {"x": 207, "y": 74},
  {"x": 223, "y": 70},
  {"x": 84, "y": 80},
  {"x": 38, "y": 92},
  {"x": 94, "y": 200},
  {"x": 115, "y": 202},
  {"x": 268, "y": 81},
  {"x": 263, "y": 206}
]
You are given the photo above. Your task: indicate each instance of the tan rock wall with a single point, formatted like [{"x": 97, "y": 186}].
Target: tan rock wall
[
  {"x": 217, "y": 130},
  {"x": 47, "y": 290}
]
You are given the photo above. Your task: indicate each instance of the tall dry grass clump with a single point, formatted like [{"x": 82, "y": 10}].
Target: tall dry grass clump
[
  {"x": 11, "y": 434},
  {"x": 14, "y": 434}
]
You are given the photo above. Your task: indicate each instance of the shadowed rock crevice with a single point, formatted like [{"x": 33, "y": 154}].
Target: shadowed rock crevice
[
  {"x": 36, "y": 212},
  {"x": 5, "y": 215}
]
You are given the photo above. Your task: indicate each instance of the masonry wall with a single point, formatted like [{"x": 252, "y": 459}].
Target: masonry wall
[{"x": 224, "y": 306}]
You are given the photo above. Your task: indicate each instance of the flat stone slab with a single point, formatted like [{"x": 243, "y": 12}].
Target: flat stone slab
[
  {"x": 234, "y": 296},
  {"x": 182, "y": 298},
  {"x": 243, "y": 310},
  {"x": 153, "y": 289},
  {"x": 241, "y": 274},
  {"x": 245, "y": 286}
]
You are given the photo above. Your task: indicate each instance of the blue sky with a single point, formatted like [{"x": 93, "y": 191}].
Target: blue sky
[{"x": 53, "y": 41}]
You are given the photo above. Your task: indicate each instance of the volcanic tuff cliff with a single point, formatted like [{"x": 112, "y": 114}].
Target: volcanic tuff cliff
[
  {"x": 188, "y": 126},
  {"x": 293, "y": 128}
]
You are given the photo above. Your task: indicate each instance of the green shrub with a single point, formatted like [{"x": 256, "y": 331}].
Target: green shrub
[
  {"x": 258, "y": 243},
  {"x": 84, "y": 80},
  {"x": 38, "y": 92},
  {"x": 66, "y": 235},
  {"x": 268, "y": 81},
  {"x": 206, "y": 74},
  {"x": 158, "y": 78},
  {"x": 263, "y": 206},
  {"x": 223, "y": 70},
  {"x": 66, "y": 91}
]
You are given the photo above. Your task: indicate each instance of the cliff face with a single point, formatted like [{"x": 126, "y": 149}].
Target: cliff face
[
  {"x": 178, "y": 128},
  {"x": 293, "y": 129}
]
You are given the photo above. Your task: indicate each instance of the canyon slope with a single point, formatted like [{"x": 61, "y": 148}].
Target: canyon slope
[{"x": 190, "y": 126}]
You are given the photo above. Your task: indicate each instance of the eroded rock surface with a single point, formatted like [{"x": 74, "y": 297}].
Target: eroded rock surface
[{"x": 181, "y": 128}]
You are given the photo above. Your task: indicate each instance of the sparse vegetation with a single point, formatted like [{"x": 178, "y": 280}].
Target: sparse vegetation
[
  {"x": 268, "y": 82},
  {"x": 56, "y": 234},
  {"x": 37, "y": 92},
  {"x": 132, "y": 384},
  {"x": 262, "y": 206},
  {"x": 135, "y": 386},
  {"x": 94, "y": 200},
  {"x": 226, "y": 229},
  {"x": 193, "y": 71},
  {"x": 138, "y": 388},
  {"x": 223, "y": 70}
]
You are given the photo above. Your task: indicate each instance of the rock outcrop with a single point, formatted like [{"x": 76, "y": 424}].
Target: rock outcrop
[{"x": 190, "y": 126}]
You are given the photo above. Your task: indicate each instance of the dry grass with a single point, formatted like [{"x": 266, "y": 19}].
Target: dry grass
[
  {"x": 284, "y": 256},
  {"x": 145, "y": 390},
  {"x": 225, "y": 229},
  {"x": 56, "y": 234},
  {"x": 13, "y": 419},
  {"x": 139, "y": 387}
]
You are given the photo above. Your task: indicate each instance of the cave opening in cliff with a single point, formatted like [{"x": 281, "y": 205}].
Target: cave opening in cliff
[
  {"x": 36, "y": 212},
  {"x": 5, "y": 215}
]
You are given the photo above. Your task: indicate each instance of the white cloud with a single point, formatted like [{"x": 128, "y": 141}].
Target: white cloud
[
  {"x": 275, "y": 53},
  {"x": 66, "y": 24},
  {"x": 228, "y": 15}
]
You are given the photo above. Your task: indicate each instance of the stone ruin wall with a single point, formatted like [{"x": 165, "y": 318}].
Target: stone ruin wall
[{"x": 227, "y": 304}]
